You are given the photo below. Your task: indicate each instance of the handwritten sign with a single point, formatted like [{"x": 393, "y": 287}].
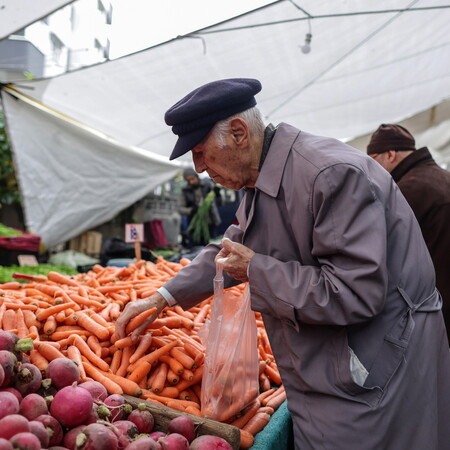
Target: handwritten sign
[{"x": 134, "y": 232}]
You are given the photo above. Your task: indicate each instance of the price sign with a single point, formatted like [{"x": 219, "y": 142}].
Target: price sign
[{"x": 134, "y": 232}]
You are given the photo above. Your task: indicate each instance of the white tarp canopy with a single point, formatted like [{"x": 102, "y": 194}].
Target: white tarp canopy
[
  {"x": 17, "y": 14},
  {"x": 370, "y": 62}
]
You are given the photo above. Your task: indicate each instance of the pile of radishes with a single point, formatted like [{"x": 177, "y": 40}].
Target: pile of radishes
[{"x": 54, "y": 410}]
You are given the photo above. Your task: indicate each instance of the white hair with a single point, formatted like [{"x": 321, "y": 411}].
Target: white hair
[{"x": 251, "y": 116}]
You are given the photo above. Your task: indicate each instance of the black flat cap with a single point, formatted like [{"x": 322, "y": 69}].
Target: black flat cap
[
  {"x": 390, "y": 137},
  {"x": 194, "y": 116}
]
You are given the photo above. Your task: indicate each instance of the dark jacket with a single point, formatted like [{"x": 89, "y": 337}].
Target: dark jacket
[
  {"x": 426, "y": 187},
  {"x": 340, "y": 263}
]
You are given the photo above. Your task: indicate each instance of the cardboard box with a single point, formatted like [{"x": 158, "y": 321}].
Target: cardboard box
[{"x": 89, "y": 243}]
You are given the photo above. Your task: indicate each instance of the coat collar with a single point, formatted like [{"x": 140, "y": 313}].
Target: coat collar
[
  {"x": 415, "y": 158},
  {"x": 270, "y": 176}
]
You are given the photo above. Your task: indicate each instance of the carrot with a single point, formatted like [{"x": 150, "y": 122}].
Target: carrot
[
  {"x": 256, "y": 423},
  {"x": 172, "y": 377},
  {"x": 115, "y": 363},
  {"x": 38, "y": 360},
  {"x": 247, "y": 440},
  {"x": 86, "y": 301},
  {"x": 125, "y": 361},
  {"x": 185, "y": 261},
  {"x": 124, "y": 342},
  {"x": 176, "y": 404},
  {"x": 273, "y": 374},
  {"x": 160, "y": 378},
  {"x": 91, "y": 325},
  {"x": 58, "y": 335},
  {"x": 141, "y": 371},
  {"x": 43, "y": 314},
  {"x": 152, "y": 357},
  {"x": 13, "y": 285},
  {"x": 30, "y": 319},
  {"x": 193, "y": 410},
  {"x": 74, "y": 354},
  {"x": 183, "y": 358},
  {"x": 94, "y": 344},
  {"x": 264, "y": 381},
  {"x": 143, "y": 345},
  {"x": 265, "y": 394},
  {"x": 33, "y": 332},
  {"x": 22, "y": 329},
  {"x": 173, "y": 363},
  {"x": 248, "y": 413},
  {"x": 267, "y": 409},
  {"x": 170, "y": 322},
  {"x": 128, "y": 386},
  {"x": 111, "y": 386},
  {"x": 275, "y": 402},
  {"x": 139, "y": 320},
  {"x": 48, "y": 351},
  {"x": 15, "y": 306},
  {"x": 49, "y": 325},
  {"x": 198, "y": 374},
  {"x": 61, "y": 279},
  {"x": 186, "y": 322},
  {"x": 89, "y": 354}
]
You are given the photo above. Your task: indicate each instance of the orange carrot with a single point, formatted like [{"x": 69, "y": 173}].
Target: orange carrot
[
  {"x": 160, "y": 378},
  {"x": 273, "y": 374},
  {"x": 139, "y": 320},
  {"x": 15, "y": 306},
  {"x": 43, "y": 314},
  {"x": 38, "y": 360},
  {"x": 248, "y": 413},
  {"x": 173, "y": 363},
  {"x": 74, "y": 354},
  {"x": 275, "y": 402},
  {"x": 115, "y": 363},
  {"x": 94, "y": 344},
  {"x": 183, "y": 358},
  {"x": 49, "y": 325},
  {"x": 111, "y": 386},
  {"x": 89, "y": 354},
  {"x": 22, "y": 329},
  {"x": 142, "y": 347},
  {"x": 91, "y": 325},
  {"x": 172, "y": 377},
  {"x": 247, "y": 440},
  {"x": 48, "y": 351},
  {"x": 128, "y": 386},
  {"x": 256, "y": 423},
  {"x": 61, "y": 279},
  {"x": 125, "y": 361},
  {"x": 124, "y": 342}
]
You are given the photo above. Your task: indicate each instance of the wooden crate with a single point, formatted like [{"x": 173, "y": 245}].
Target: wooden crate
[
  {"x": 89, "y": 243},
  {"x": 163, "y": 415}
]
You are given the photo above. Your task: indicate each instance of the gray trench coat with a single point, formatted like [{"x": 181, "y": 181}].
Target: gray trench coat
[{"x": 341, "y": 264}]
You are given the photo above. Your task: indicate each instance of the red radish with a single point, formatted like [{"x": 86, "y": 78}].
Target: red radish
[
  {"x": 174, "y": 441},
  {"x": 126, "y": 428},
  {"x": 32, "y": 406},
  {"x": 71, "y": 406},
  {"x": 210, "y": 442},
  {"x": 28, "y": 379},
  {"x": 115, "y": 403},
  {"x": 53, "y": 428},
  {"x": 183, "y": 425},
  {"x": 155, "y": 435},
  {"x": 93, "y": 416},
  {"x": 63, "y": 372},
  {"x": 8, "y": 404},
  {"x": 11, "y": 342},
  {"x": 16, "y": 393},
  {"x": 143, "y": 419},
  {"x": 8, "y": 361},
  {"x": 25, "y": 441},
  {"x": 71, "y": 436},
  {"x": 5, "y": 445},
  {"x": 2, "y": 375},
  {"x": 13, "y": 424},
  {"x": 97, "y": 390},
  {"x": 38, "y": 429},
  {"x": 143, "y": 443},
  {"x": 96, "y": 437}
]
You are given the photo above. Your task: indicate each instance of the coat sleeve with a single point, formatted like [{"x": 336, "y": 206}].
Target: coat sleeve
[{"x": 345, "y": 281}]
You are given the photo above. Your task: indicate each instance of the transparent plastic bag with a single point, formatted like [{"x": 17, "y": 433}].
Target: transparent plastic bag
[{"x": 230, "y": 378}]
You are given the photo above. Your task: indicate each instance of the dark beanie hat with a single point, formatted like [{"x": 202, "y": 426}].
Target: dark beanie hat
[
  {"x": 390, "y": 137},
  {"x": 194, "y": 116}
]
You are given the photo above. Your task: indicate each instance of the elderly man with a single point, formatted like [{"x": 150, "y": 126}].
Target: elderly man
[
  {"x": 426, "y": 187},
  {"x": 337, "y": 266}
]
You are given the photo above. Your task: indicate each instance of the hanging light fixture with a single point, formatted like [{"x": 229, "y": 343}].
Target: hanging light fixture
[{"x": 306, "y": 47}]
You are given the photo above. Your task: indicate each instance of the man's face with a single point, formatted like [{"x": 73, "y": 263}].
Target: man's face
[
  {"x": 192, "y": 180},
  {"x": 224, "y": 165}
]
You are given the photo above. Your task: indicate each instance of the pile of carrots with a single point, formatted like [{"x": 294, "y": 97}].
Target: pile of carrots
[{"x": 74, "y": 317}]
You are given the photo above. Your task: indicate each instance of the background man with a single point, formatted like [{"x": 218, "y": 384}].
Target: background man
[
  {"x": 426, "y": 187},
  {"x": 337, "y": 266}
]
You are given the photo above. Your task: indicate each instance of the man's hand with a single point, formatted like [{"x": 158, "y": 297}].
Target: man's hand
[
  {"x": 235, "y": 259},
  {"x": 135, "y": 308}
]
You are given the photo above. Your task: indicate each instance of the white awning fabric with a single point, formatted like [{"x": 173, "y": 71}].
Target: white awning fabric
[
  {"x": 370, "y": 63},
  {"x": 17, "y": 14}
]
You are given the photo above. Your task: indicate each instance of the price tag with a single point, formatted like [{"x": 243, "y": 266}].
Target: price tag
[
  {"x": 27, "y": 260},
  {"x": 134, "y": 232}
]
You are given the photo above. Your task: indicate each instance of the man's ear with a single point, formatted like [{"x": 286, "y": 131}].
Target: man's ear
[
  {"x": 239, "y": 131},
  {"x": 392, "y": 155}
]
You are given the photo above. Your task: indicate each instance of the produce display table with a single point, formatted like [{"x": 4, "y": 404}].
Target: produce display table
[{"x": 278, "y": 433}]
